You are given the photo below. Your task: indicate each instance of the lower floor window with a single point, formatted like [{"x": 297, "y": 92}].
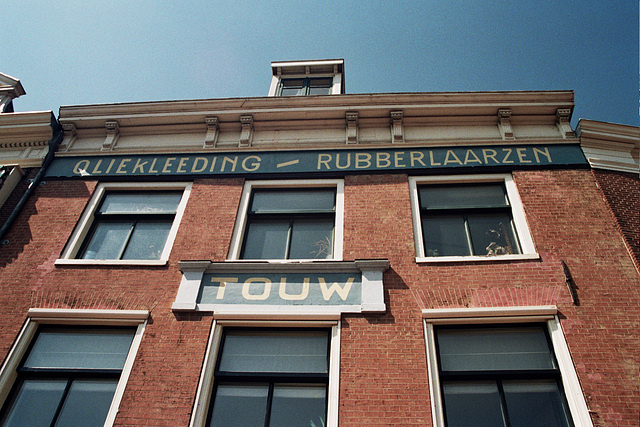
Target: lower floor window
[
  {"x": 68, "y": 377},
  {"x": 499, "y": 376},
  {"x": 271, "y": 378}
]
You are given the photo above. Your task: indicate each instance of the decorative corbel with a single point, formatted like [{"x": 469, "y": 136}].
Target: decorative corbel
[
  {"x": 211, "y": 139},
  {"x": 246, "y": 135},
  {"x": 504, "y": 124},
  {"x": 352, "y": 127},
  {"x": 70, "y": 135},
  {"x": 113, "y": 131},
  {"x": 563, "y": 116},
  {"x": 397, "y": 130}
]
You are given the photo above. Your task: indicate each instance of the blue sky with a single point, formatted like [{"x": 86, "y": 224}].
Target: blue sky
[{"x": 84, "y": 51}]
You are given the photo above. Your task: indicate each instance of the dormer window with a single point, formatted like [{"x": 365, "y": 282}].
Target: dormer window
[
  {"x": 307, "y": 78},
  {"x": 308, "y": 86}
]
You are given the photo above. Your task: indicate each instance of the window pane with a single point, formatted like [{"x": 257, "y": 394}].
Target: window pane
[
  {"x": 311, "y": 238},
  {"x": 44, "y": 395},
  {"x": 81, "y": 349},
  {"x": 535, "y": 403},
  {"x": 147, "y": 240},
  {"x": 159, "y": 202},
  {"x": 240, "y": 405},
  {"x": 462, "y": 196},
  {"x": 292, "y": 87},
  {"x": 494, "y": 349},
  {"x": 294, "y": 200},
  {"x": 473, "y": 404},
  {"x": 492, "y": 234},
  {"x": 108, "y": 240},
  {"x": 444, "y": 236},
  {"x": 266, "y": 239},
  {"x": 275, "y": 351},
  {"x": 87, "y": 403},
  {"x": 298, "y": 405}
]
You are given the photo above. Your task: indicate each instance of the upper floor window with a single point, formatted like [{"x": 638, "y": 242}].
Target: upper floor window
[
  {"x": 290, "y": 223},
  {"x": 127, "y": 223},
  {"x": 290, "y": 220},
  {"x": 299, "y": 78},
  {"x": 308, "y": 86},
  {"x": 464, "y": 217},
  {"x": 131, "y": 225}
]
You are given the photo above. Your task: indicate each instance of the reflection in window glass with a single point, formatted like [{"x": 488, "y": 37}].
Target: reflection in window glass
[
  {"x": 271, "y": 377},
  {"x": 298, "y": 405},
  {"x": 472, "y": 404},
  {"x": 70, "y": 375},
  {"x": 500, "y": 376},
  {"x": 290, "y": 223},
  {"x": 131, "y": 226},
  {"x": 240, "y": 405},
  {"x": 463, "y": 220}
]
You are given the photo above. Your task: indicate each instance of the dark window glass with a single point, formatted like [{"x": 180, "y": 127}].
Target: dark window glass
[
  {"x": 290, "y": 224},
  {"x": 70, "y": 376},
  {"x": 271, "y": 377},
  {"x": 307, "y": 86},
  {"x": 131, "y": 226},
  {"x": 500, "y": 376},
  {"x": 462, "y": 220}
]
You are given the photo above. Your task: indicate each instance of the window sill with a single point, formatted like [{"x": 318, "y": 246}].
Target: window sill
[
  {"x": 154, "y": 262},
  {"x": 494, "y": 258}
]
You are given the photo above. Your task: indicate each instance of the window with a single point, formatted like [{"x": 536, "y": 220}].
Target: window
[
  {"x": 462, "y": 217},
  {"x": 496, "y": 375},
  {"x": 126, "y": 223},
  {"x": 306, "y": 86},
  {"x": 494, "y": 366},
  {"x": 131, "y": 225},
  {"x": 70, "y": 375},
  {"x": 284, "y": 220},
  {"x": 272, "y": 378}
]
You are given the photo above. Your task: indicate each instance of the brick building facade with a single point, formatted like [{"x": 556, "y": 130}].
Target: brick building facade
[{"x": 326, "y": 259}]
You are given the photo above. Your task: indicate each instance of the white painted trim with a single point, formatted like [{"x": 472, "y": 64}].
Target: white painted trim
[
  {"x": 241, "y": 220},
  {"x": 484, "y": 315},
  {"x": 124, "y": 375},
  {"x": 480, "y": 312},
  {"x": 82, "y": 316},
  {"x": 572, "y": 390},
  {"x": 207, "y": 379},
  {"x": 37, "y": 316},
  {"x": 84, "y": 224},
  {"x": 517, "y": 212},
  {"x": 371, "y": 288},
  {"x": 434, "y": 380}
]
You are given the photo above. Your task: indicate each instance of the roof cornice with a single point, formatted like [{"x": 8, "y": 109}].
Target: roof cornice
[{"x": 609, "y": 145}]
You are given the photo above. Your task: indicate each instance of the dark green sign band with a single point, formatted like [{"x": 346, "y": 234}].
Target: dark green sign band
[{"x": 316, "y": 161}]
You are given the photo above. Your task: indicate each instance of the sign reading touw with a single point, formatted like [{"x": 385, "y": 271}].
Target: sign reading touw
[{"x": 278, "y": 289}]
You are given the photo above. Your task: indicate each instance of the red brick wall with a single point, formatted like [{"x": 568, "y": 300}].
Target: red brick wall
[
  {"x": 383, "y": 379},
  {"x": 622, "y": 192}
]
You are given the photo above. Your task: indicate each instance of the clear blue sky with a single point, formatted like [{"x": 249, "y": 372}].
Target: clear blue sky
[{"x": 85, "y": 51}]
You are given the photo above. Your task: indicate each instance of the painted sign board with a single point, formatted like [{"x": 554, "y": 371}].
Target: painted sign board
[
  {"x": 297, "y": 287},
  {"x": 281, "y": 289},
  {"x": 316, "y": 161}
]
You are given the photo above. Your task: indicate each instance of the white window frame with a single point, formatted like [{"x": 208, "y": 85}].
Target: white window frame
[
  {"x": 86, "y": 220},
  {"x": 494, "y": 315},
  {"x": 62, "y": 317},
  {"x": 517, "y": 211},
  {"x": 207, "y": 379},
  {"x": 241, "y": 221}
]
